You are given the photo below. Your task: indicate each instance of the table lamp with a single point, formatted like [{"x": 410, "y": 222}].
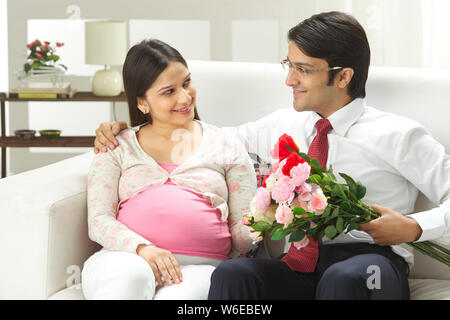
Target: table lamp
[{"x": 106, "y": 44}]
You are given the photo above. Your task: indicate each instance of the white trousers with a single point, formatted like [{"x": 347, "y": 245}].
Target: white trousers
[{"x": 117, "y": 275}]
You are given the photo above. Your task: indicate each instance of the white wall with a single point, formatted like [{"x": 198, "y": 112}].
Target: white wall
[
  {"x": 4, "y": 46},
  {"x": 401, "y": 33},
  {"x": 4, "y": 54}
]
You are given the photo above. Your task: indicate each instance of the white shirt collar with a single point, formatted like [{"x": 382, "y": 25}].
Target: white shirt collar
[{"x": 342, "y": 119}]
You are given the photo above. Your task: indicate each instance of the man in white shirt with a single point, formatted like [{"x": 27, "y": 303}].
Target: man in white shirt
[{"x": 328, "y": 60}]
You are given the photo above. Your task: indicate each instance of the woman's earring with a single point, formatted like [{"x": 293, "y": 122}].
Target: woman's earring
[{"x": 145, "y": 110}]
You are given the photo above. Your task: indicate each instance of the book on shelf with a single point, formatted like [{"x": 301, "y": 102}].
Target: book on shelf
[
  {"x": 41, "y": 95},
  {"x": 43, "y": 87}
]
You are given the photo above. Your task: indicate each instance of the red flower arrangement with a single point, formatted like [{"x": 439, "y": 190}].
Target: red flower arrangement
[{"x": 42, "y": 55}]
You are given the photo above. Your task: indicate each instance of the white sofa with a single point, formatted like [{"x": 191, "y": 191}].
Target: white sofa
[{"x": 44, "y": 240}]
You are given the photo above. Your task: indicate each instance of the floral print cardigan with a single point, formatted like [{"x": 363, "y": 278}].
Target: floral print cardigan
[{"x": 220, "y": 171}]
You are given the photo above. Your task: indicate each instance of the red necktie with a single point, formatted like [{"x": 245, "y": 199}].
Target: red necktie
[{"x": 305, "y": 259}]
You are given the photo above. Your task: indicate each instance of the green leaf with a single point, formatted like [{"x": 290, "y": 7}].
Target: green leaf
[
  {"x": 338, "y": 191},
  {"x": 350, "y": 182},
  {"x": 315, "y": 162},
  {"x": 304, "y": 156},
  {"x": 36, "y": 64},
  {"x": 301, "y": 223},
  {"x": 360, "y": 190},
  {"x": 326, "y": 179},
  {"x": 279, "y": 234},
  {"x": 326, "y": 212},
  {"x": 346, "y": 206},
  {"x": 340, "y": 225},
  {"x": 330, "y": 232},
  {"x": 261, "y": 226},
  {"x": 333, "y": 177},
  {"x": 335, "y": 212},
  {"x": 299, "y": 211},
  {"x": 297, "y": 236},
  {"x": 315, "y": 178},
  {"x": 316, "y": 166}
]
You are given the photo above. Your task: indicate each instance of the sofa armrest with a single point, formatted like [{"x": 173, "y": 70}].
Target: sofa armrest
[{"x": 44, "y": 238}]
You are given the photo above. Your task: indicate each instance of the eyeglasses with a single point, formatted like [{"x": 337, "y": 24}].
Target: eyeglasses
[{"x": 286, "y": 64}]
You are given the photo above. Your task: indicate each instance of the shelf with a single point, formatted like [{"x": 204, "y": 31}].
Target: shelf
[
  {"x": 78, "y": 96},
  {"x": 63, "y": 141}
]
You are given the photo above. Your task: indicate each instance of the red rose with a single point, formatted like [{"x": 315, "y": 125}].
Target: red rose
[
  {"x": 283, "y": 148},
  {"x": 291, "y": 161}
]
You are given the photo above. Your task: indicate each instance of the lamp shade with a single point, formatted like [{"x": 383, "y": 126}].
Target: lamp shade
[{"x": 106, "y": 42}]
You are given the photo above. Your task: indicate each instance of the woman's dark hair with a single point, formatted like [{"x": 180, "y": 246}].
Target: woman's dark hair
[
  {"x": 340, "y": 40},
  {"x": 145, "y": 61}
]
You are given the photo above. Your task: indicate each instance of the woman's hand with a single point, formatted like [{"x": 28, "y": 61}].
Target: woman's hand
[
  {"x": 105, "y": 135},
  {"x": 162, "y": 262}
]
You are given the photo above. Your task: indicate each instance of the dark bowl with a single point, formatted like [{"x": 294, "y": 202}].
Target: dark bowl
[{"x": 25, "y": 134}]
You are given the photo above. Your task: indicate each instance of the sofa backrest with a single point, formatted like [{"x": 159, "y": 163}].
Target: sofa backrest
[
  {"x": 230, "y": 94},
  {"x": 233, "y": 93}
]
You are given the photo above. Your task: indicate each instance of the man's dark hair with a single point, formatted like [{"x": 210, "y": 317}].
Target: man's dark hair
[
  {"x": 145, "y": 61},
  {"x": 339, "y": 39}
]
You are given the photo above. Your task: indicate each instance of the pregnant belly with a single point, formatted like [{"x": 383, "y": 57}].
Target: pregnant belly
[{"x": 177, "y": 219}]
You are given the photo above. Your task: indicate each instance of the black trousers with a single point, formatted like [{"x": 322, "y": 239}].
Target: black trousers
[{"x": 344, "y": 271}]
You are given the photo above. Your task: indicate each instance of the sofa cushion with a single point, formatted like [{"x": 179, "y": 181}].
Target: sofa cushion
[
  {"x": 72, "y": 293},
  {"x": 429, "y": 289},
  {"x": 421, "y": 289}
]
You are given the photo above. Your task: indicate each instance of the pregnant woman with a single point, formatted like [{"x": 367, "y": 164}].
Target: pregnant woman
[{"x": 166, "y": 205}]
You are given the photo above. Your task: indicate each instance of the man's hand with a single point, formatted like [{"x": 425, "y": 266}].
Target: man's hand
[
  {"x": 391, "y": 227},
  {"x": 105, "y": 135}
]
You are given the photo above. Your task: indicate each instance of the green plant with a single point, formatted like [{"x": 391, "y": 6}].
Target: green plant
[{"x": 42, "y": 55}]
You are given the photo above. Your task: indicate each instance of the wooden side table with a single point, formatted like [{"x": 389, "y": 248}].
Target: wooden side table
[{"x": 63, "y": 141}]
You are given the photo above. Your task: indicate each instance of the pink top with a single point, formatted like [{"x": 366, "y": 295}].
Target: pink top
[
  {"x": 177, "y": 219},
  {"x": 220, "y": 171}
]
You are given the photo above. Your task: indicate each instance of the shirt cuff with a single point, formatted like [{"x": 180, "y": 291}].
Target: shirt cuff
[{"x": 432, "y": 223}]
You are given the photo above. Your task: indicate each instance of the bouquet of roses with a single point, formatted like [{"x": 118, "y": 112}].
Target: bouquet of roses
[{"x": 301, "y": 199}]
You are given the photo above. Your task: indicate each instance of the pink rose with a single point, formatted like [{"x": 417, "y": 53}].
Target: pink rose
[
  {"x": 300, "y": 203},
  {"x": 304, "y": 191},
  {"x": 282, "y": 190},
  {"x": 318, "y": 201},
  {"x": 245, "y": 221},
  {"x": 284, "y": 215},
  {"x": 300, "y": 173},
  {"x": 256, "y": 236},
  {"x": 302, "y": 243},
  {"x": 279, "y": 168},
  {"x": 262, "y": 199}
]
